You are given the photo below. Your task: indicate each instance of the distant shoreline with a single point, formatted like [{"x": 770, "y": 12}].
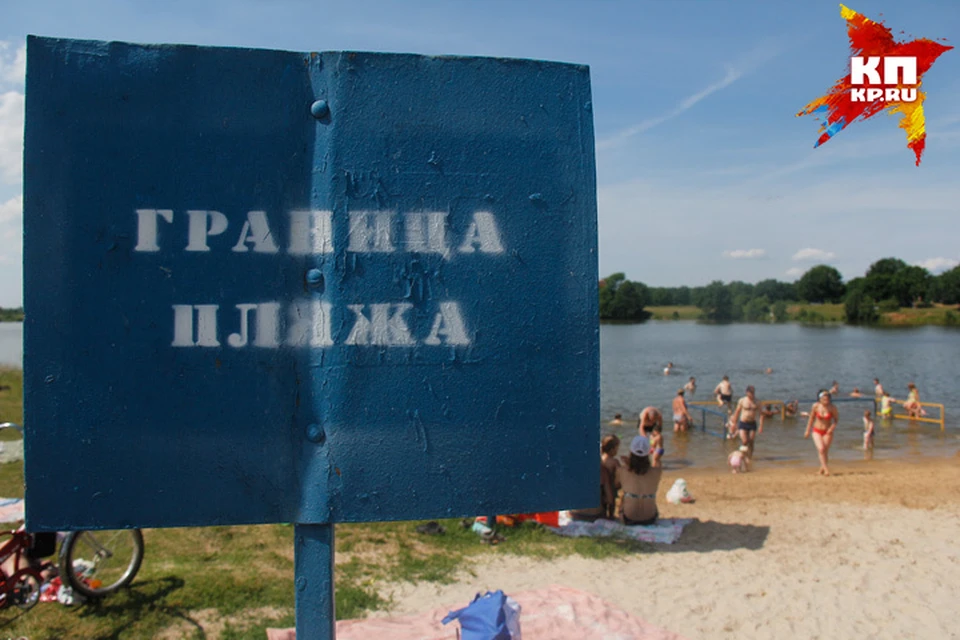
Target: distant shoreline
[{"x": 816, "y": 314}]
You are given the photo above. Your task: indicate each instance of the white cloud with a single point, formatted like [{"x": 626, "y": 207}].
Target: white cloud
[
  {"x": 794, "y": 272},
  {"x": 11, "y": 137},
  {"x": 813, "y": 254},
  {"x": 745, "y": 254},
  {"x": 13, "y": 63},
  {"x": 936, "y": 265},
  {"x": 11, "y": 210},
  {"x": 761, "y": 54},
  {"x": 11, "y": 238}
]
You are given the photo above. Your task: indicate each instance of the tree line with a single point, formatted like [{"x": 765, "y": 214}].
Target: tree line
[
  {"x": 888, "y": 285},
  {"x": 11, "y": 315}
]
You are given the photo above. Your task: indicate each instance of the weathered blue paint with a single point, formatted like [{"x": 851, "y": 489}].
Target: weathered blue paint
[
  {"x": 313, "y": 580},
  {"x": 126, "y": 429}
]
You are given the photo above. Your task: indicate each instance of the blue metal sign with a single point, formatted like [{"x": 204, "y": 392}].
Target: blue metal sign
[{"x": 266, "y": 286}]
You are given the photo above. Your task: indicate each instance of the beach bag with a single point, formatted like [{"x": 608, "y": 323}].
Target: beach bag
[
  {"x": 678, "y": 492},
  {"x": 491, "y": 616}
]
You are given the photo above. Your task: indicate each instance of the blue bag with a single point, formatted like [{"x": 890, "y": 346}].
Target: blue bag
[{"x": 491, "y": 616}]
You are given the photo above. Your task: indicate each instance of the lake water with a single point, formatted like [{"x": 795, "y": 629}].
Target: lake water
[
  {"x": 11, "y": 344},
  {"x": 804, "y": 359}
]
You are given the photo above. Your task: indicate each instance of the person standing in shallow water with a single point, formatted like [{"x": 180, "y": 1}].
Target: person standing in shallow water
[
  {"x": 744, "y": 420},
  {"x": 724, "y": 392},
  {"x": 823, "y": 422}
]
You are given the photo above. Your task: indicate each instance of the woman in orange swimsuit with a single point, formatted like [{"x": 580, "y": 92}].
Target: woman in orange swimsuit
[{"x": 823, "y": 421}]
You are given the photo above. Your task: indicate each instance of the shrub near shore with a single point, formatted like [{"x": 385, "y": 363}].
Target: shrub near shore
[{"x": 936, "y": 315}]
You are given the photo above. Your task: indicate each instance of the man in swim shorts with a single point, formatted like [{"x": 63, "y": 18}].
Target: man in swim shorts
[
  {"x": 744, "y": 420},
  {"x": 649, "y": 418},
  {"x": 724, "y": 392},
  {"x": 681, "y": 416}
]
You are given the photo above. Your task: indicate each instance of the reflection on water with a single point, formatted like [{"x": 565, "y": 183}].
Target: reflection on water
[{"x": 803, "y": 360}]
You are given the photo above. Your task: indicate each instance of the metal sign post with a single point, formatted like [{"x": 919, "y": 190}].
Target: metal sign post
[{"x": 269, "y": 286}]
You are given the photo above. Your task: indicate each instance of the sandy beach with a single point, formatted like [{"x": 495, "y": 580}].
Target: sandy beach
[{"x": 870, "y": 552}]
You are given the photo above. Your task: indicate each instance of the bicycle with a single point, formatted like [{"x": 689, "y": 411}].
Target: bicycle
[{"x": 92, "y": 563}]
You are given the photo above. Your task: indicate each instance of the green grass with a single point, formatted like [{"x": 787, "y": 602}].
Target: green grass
[
  {"x": 817, "y": 312},
  {"x": 241, "y": 578},
  {"x": 674, "y": 312},
  {"x": 936, "y": 315}
]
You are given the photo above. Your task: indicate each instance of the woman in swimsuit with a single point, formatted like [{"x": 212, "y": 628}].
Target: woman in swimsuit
[
  {"x": 640, "y": 482},
  {"x": 912, "y": 405},
  {"x": 823, "y": 421}
]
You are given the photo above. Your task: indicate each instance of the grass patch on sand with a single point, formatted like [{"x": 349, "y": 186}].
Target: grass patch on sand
[{"x": 234, "y": 582}]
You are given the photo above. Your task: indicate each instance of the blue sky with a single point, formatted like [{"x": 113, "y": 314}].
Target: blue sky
[{"x": 704, "y": 172}]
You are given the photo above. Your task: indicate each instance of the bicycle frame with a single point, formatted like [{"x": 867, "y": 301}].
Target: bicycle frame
[{"x": 10, "y": 584}]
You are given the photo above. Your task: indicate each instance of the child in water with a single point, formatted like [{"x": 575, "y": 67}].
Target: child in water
[
  {"x": 886, "y": 405},
  {"x": 656, "y": 445},
  {"x": 868, "y": 431},
  {"x": 739, "y": 460}
]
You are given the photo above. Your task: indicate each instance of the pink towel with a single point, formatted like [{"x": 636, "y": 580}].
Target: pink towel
[{"x": 556, "y": 612}]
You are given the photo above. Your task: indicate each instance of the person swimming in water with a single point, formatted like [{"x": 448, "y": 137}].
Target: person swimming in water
[
  {"x": 822, "y": 423},
  {"x": 617, "y": 420},
  {"x": 691, "y": 386},
  {"x": 667, "y": 369}
]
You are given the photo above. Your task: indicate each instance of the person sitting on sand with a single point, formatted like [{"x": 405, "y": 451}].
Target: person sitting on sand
[
  {"x": 868, "y": 430},
  {"x": 691, "y": 386},
  {"x": 608, "y": 488},
  {"x": 724, "y": 393},
  {"x": 681, "y": 415},
  {"x": 823, "y": 422},
  {"x": 617, "y": 420},
  {"x": 856, "y": 393},
  {"x": 640, "y": 482}
]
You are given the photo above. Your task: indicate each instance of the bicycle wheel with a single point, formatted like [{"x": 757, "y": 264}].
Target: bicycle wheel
[{"x": 98, "y": 563}]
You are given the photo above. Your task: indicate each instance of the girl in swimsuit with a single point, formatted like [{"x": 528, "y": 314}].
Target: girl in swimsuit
[{"x": 823, "y": 421}]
